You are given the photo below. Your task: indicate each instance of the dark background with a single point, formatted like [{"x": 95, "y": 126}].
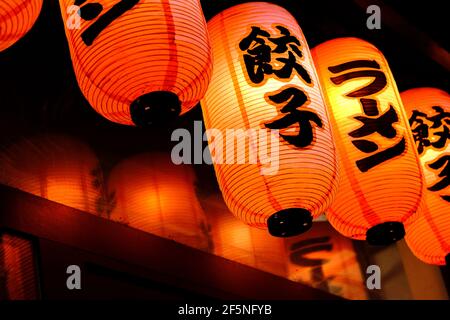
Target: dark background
[{"x": 39, "y": 93}]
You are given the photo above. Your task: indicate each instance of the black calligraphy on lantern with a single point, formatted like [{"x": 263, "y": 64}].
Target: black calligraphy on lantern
[
  {"x": 293, "y": 100},
  {"x": 272, "y": 56},
  {"x": 430, "y": 131},
  {"x": 92, "y": 11},
  {"x": 441, "y": 164},
  {"x": 372, "y": 120}
]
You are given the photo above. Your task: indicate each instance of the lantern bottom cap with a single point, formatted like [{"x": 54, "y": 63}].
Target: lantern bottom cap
[
  {"x": 385, "y": 233},
  {"x": 447, "y": 260},
  {"x": 155, "y": 109},
  {"x": 289, "y": 222}
]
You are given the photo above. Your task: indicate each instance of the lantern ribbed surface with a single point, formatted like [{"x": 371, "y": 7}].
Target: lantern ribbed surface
[
  {"x": 155, "y": 46},
  {"x": 16, "y": 19},
  {"x": 156, "y": 196},
  {"x": 56, "y": 167},
  {"x": 306, "y": 178},
  {"x": 374, "y": 197},
  {"x": 17, "y": 263},
  {"x": 428, "y": 236}
]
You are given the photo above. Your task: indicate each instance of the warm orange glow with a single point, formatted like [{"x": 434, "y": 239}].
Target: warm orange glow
[
  {"x": 57, "y": 168},
  {"x": 156, "y": 196},
  {"x": 17, "y": 267},
  {"x": 429, "y": 235},
  {"x": 236, "y": 241},
  {"x": 285, "y": 90},
  {"x": 321, "y": 258},
  {"x": 381, "y": 182},
  {"x": 153, "y": 46},
  {"x": 326, "y": 260},
  {"x": 16, "y": 19}
]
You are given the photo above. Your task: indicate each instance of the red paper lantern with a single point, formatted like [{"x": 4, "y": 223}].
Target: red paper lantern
[
  {"x": 137, "y": 61},
  {"x": 18, "y": 268},
  {"x": 264, "y": 80},
  {"x": 16, "y": 19},
  {"x": 381, "y": 182},
  {"x": 55, "y": 167},
  {"x": 154, "y": 195},
  {"x": 429, "y": 114}
]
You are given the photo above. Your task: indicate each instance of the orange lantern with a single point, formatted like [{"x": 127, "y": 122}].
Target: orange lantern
[
  {"x": 321, "y": 257},
  {"x": 54, "y": 167},
  {"x": 428, "y": 236},
  {"x": 16, "y": 19},
  {"x": 264, "y": 84},
  {"x": 139, "y": 61},
  {"x": 156, "y": 196},
  {"x": 381, "y": 183},
  {"x": 58, "y": 168},
  {"x": 17, "y": 268}
]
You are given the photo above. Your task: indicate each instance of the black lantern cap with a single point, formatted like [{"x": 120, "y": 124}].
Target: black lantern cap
[
  {"x": 447, "y": 260},
  {"x": 385, "y": 233},
  {"x": 155, "y": 109},
  {"x": 289, "y": 222}
]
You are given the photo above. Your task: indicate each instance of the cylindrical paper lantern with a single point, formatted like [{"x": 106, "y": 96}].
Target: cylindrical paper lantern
[
  {"x": 18, "y": 268},
  {"x": 428, "y": 236},
  {"x": 264, "y": 82},
  {"x": 156, "y": 196},
  {"x": 16, "y": 19},
  {"x": 381, "y": 183},
  {"x": 139, "y": 62},
  {"x": 58, "y": 168}
]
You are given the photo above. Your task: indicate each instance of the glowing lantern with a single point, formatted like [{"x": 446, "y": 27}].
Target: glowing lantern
[
  {"x": 17, "y": 266},
  {"x": 264, "y": 84},
  {"x": 156, "y": 196},
  {"x": 428, "y": 236},
  {"x": 139, "y": 61},
  {"x": 16, "y": 19},
  {"x": 381, "y": 182},
  {"x": 57, "y": 168},
  {"x": 321, "y": 257}
]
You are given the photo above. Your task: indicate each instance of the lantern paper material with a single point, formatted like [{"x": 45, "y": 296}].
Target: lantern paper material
[
  {"x": 277, "y": 92},
  {"x": 156, "y": 196},
  {"x": 16, "y": 19},
  {"x": 381, "y": 183},
  {"x": 428, "y": 110},
  {"x": 139, "y": 61},
  {"x": 17, "y": 268},
  {"x": 58, "y": 168}
]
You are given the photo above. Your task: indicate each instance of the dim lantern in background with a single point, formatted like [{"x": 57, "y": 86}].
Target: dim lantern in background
[
  {"x": 264, "y": 81},
  {"x": 156, "y": 196},
  {"x": 58, "y": 168},
  {"x": 139, "y": 61},
  {"x": 16, "y": 19},
  {"x": 321, "y": 258},
  {"x": 428, "y": 236},
  {"x": 381, "y": 182},
  {"x": 17, "y": 268},
  {"x": 237, "y": 241}
]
